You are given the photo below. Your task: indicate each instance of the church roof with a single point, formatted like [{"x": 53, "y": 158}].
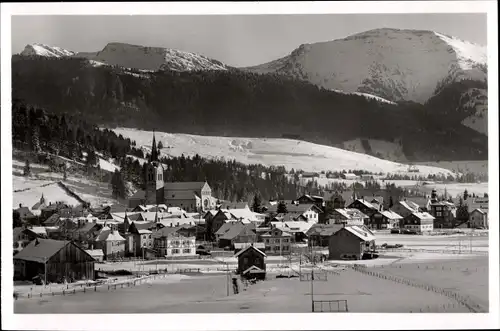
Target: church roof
[{"x": 184, "y": 186}]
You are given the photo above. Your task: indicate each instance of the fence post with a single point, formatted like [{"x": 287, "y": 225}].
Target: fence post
[{"x": 64, "y": 293}]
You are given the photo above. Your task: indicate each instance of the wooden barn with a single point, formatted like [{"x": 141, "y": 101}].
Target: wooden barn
[
  {"x": 251, "y": 263},
  {"x": 351, "y": 242},
  {"x": 54, "y": 260}
]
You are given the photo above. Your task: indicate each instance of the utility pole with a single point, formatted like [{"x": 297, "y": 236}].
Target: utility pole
[{"x": 45, "y": 271}]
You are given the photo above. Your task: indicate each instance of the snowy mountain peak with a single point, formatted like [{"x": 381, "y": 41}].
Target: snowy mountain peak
[
  {"x": 154, "y": 58},
  {"x": 389, "y": 63},
  {"x": 134, "y": 57},
  {"x": 45, "y": 50}
]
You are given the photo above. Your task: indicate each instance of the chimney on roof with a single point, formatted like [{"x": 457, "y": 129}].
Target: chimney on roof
[{"x": 19, "y": 205}]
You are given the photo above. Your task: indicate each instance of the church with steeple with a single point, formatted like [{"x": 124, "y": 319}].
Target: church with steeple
[
  {"x": 190, "y": 196},
  {"x": 155, "y": 185}
]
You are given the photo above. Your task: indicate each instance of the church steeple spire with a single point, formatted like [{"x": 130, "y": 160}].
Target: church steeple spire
[{"x": 154, "y": 151}]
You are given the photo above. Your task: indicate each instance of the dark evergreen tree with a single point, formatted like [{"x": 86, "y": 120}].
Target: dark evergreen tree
[
  {"x": 118, "y": 185},
  {"x": 256, "y": 205},
  {"x": 281, "y": 208},
  {"x": 466, "y": 195},
  {"x": 27, "y": 169},
  {"x": 17, "y": 219}
]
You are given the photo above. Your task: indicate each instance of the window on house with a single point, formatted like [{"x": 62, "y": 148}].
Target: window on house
[
  {"x": 285, "y": 240},
  {"x": 439, "y": 214},
  {"x": 186, "y": 250},
  {"x": 267, "y": 241}
]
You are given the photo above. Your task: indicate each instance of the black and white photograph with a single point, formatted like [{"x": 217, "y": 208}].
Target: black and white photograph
[{"x": 334, "y": 162}]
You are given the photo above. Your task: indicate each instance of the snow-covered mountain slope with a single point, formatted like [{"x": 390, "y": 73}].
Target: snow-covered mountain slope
[
  {"x": 134, "y": 57},
  {"x": 476, "y": 100},
  {"x": 153, "y": 58},
  {"x": 390, "y": 63},
  {"x": 45, "y": 50},
  {"x": 270, "y": 152},
  {"x": 384, "y": 149},
  {"x": 368, "y": 96}
]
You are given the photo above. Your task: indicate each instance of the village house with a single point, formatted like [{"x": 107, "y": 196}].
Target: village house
[
  {"x": 111, "y": 243},
  {"x": 225, "y": 215},
  {"x": 251, "y": 263},
  {"x": 169, "y": 243},
  {"x": 444, "y": 213},
  {"x": 25, "y": 214},
  {"x": 351, "y": 242},
  {"x": 139, "y": 239},
  {"x": 364, "y": 206},
  {"x": 86, "y": 232},
  {"x": 238, "y": 233},
  {"x": 478, "y": 219},
  {"x": 419, "y": 222},
  {"x": 55, "y": 260},
  {"x": 97, "y": 254},
  {"x": 351, "y": 176},
  {"x": 405, "y": 207},
  {"x": 319, "y": 234},
  {"x": 297, "y": 229},
  {"x": 347, "y": 216},
  {"x": 278, "y": 242},
  {"x": 311, "y": 199},
  {"x": 22, "y": 236},
  {"x": 385, "y": 219},
  {"x": 310, "y": 211}
]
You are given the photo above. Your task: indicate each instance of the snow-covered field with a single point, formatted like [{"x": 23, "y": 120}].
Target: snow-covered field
[
  {"x": 477, "y": 167},
  {"x": 214, "y": 294},
  {"x": 108, "y": 166},
  {"x": 384, "y": 149},
  {"x": 28, "y": 190},
  {"x": 270, "y": 151}
]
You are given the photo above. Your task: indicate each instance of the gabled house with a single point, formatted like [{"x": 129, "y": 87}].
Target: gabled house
[
  {"x": 310, "y": 211},
  {"x": 311, "y": 199},
  {"x": 419, "y": 222},
  {"x": 25, "y": 213},
  {"x": 111, "y": 243},
  {"x": 319, "y": 234},
  {"x": 385, "y": 219},
  {"x": 444, "y": 213},
  {"x": 168, "y": 242},
  {"x": 251, "y": 262},
  {"x": 351, "y": 242},
  {"x": 405, "y": 207},
  {"x": 278, "y": 242},
  {"x": 347, "y": 216},
  {"x": 238, "y": 233},
  {"x": 364, "y": 206},
  {"x": 478, "y": 218}
]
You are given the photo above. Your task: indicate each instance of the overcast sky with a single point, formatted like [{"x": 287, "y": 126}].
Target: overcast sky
[{"x": 236, "y": 40}]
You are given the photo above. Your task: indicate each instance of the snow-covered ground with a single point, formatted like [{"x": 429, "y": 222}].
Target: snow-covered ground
[
  {"x": 384, "y": 149},
  {"x": 476, "y": 167},
  {"x": 107, "y": 165},
  {"x": 52, "y": 193},
  {"x": 28, "y": 190},
  {"x": 270, "y": 151}
]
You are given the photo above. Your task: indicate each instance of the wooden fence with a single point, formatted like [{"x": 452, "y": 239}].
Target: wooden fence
[
  {"x": 330, "y": 306},
  {"x": 460, "y": 299}
]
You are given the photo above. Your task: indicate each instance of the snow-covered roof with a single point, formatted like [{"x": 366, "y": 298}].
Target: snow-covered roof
[
  {"x": 391, "y": 215},
  {"x": 366, "y": 203},
  {"x": 360, "y": 233},
  {"x": 250, "y": 247},
  {"x": 95, "y": 252},
  {"x": 423, "y": 215},
  {"x": 409, "y": 205},
  {"x": 39, "y": 230},
  {"x": 245, "y": 213},
  {"x": 479, "y": 210},
  {"x": 350, "y": 213},
  {"x": 144, "y": 231}
]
